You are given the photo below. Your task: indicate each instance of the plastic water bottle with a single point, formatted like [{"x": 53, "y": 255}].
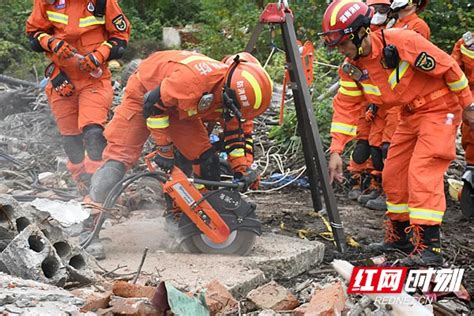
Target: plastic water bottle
[
  {"x": 97, "y": 73},
  {"x": 449, "y": 119}
]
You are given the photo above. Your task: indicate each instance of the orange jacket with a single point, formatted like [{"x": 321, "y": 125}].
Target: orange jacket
[
  {"x": 465, "y": 58},
  {"x": 184, "y": 77},
  {"x": 415, "y": 23},
  {"x": 74, "y": 22},
  {"x": 423, "y": 69}
]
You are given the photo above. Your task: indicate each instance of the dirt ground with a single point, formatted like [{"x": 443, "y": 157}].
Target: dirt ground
[{"x": 291, "y": 213}]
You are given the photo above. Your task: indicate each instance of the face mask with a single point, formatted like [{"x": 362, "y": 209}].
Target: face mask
[{"x": 378, "y": 19}]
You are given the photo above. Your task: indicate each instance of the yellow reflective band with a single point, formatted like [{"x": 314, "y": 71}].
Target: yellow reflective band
[
  {"x": 42, "y": 35},
  {"x": 218, "y": 110},
  {"x": 402, "y": 69},
  {"x": 458, "y": 85},
  {"x": 250, "y": 140},
  {"x": 397, "y": 208},
  {"x": 465, "y": 51},
  {"x": 158, "y": 122},
  {"x": 107, "y": 44},
  {"x": 371, "y": 89},
  {"x": 249, "y": 146},
  {"x": 195, "y": 58},
  {"x": 347, "y": 84},
  {"x": 425, "y": 214},
  {"x": 57, "y": 17},
  {"x": 192, "y": 112},
  {"x": 336, "y": 10},
  {"x": 343, "y": 128},
  {"x": 256, "y": 88},
  {"x": 91, "y": 20},
  {"x": 238, "y": 152},
  {"x": 355, "y": 93}
]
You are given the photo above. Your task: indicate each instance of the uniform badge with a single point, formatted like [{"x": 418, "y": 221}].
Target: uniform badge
[
  {"x": 425, "y": 62},
  {"x": 205, "y": 102},
  {"x": 90, "y": 7},
  {"x": 120, "y": 23}
]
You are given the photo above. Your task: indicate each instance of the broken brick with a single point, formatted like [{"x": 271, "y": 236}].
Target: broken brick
[
  {"x": 125, "y": 289},
  {"x": 93, "y": 300},
  {"x": 273, "y": 296},
  {"x": 327, "y": 301},
  {"x": 133, "y": 306},
  {"x": 219, "y": 300}
]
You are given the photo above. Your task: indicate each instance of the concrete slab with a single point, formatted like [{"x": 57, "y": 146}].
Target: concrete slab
[{"x": 273, "y": 256}]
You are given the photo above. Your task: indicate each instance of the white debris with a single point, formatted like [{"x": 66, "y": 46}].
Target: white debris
[{"x": 66, "y": 213}]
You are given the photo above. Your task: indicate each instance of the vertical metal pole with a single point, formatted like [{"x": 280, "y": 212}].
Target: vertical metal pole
[{"x": 311, "y": 140}]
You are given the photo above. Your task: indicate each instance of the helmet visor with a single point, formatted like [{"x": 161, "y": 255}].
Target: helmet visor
[{"x": 332, "y": 38}]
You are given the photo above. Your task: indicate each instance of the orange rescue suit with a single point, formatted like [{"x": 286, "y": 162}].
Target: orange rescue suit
[
  {"x": 465, "y": 58},
  {"x": 430, "y": 85},
  {"x": 75, "y": 23},
  {"x": 184, "y": 77}
]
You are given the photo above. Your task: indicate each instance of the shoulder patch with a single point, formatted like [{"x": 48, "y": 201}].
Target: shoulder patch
[
  {"x": 120, "y": 23},
  {"x": 425, "y": 62}
]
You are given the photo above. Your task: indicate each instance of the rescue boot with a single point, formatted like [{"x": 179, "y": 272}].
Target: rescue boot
[
  {"x": 373, "y": 191},
  {"x": 427, "y": 247},
  {"x": 356, "y": 186},
  {"x": 95, "y": 248},
  {"x": 379, "y": 203},
  {"x": 395, "y": 238}
]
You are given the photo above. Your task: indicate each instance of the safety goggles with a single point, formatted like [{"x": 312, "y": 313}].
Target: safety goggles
[
  {"x": 332, "y": 38},
  {"x": 381, "y": 8}
]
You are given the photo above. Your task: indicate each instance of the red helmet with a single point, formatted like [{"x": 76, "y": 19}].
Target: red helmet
[
  {"x": 247, "y": 91},
  {"x": 243, "y": 56},
  {"x": 342, "y": 19}
]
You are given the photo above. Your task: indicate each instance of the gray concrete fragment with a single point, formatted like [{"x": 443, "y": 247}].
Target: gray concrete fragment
[
  {"x": 280, "y": 256},
  {"x": 27, "y": 297},
  {"x": 32, "y": 256}
]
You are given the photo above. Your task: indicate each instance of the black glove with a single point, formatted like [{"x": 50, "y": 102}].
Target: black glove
[
  {"x": 248, "y": 179},
  {"x": 385, "y": 147},
  {"x": 164, "y": 157},
  {"x": 149, "y": 100}
]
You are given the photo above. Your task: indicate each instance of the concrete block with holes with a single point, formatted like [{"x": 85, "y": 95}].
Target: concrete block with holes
[
  {"x": 16, "y": 225},
  {"x": 30, "y": 255}
]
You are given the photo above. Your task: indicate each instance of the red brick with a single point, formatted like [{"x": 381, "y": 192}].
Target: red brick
[
  {"x": 133, "y": 306},
  {"x": 93, "y": 300},
  {"x": 327, "y": 301},
  {"x": 219, "y": 299},
  {"x": 273, "y": 296},
  {"x": 125, "y": 289}
]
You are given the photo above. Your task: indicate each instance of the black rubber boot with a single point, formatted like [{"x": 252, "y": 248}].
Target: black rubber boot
[
  {"x": 374, "y": 190},
  {"x": 356, "y": 186},
  {"x": 395, "y": 238},
  {"x": 427, "y": 242}
]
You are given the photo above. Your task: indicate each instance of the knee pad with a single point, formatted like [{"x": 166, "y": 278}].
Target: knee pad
[
  {"x": 105, "y": 178},
  {"x": 183, "y": 163},
  {"x": 94, "y": 141},
  {"x": 74, "y": 148},
  {"x": 377, "y": 157},
  {"x": 361, "y": 151},
  {"x": 210, "y": 166}
]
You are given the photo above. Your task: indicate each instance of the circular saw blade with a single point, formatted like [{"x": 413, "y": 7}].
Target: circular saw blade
[{"x": 239, "y": 242}]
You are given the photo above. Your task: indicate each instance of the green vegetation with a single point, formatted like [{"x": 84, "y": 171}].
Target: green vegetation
[{"x": 224, "y": 28}]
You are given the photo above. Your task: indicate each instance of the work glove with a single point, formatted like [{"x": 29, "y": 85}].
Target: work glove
[
  {"x": 164, "y": 157},
  {"x": 90, "y": 62},
  {"x": 385, "y": 147},
  {"x": 61, "y": 48},
  {"x": 248, "y": 179},
  {"x": 149, "y": 100},
  {"x": 371, "y": 112},
  {"x": 468, "y": 116},
  {"x": 60, "y": 82}
]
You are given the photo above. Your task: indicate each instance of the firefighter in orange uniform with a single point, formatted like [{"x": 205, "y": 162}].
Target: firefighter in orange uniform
[
  {"x": 463, "y": 53},
  {"x": 170, "y": 96},
  {"x": 400, "y": 68},
  {"x": 79, "y": 37},
  {"x": 405, "y": 16}
]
